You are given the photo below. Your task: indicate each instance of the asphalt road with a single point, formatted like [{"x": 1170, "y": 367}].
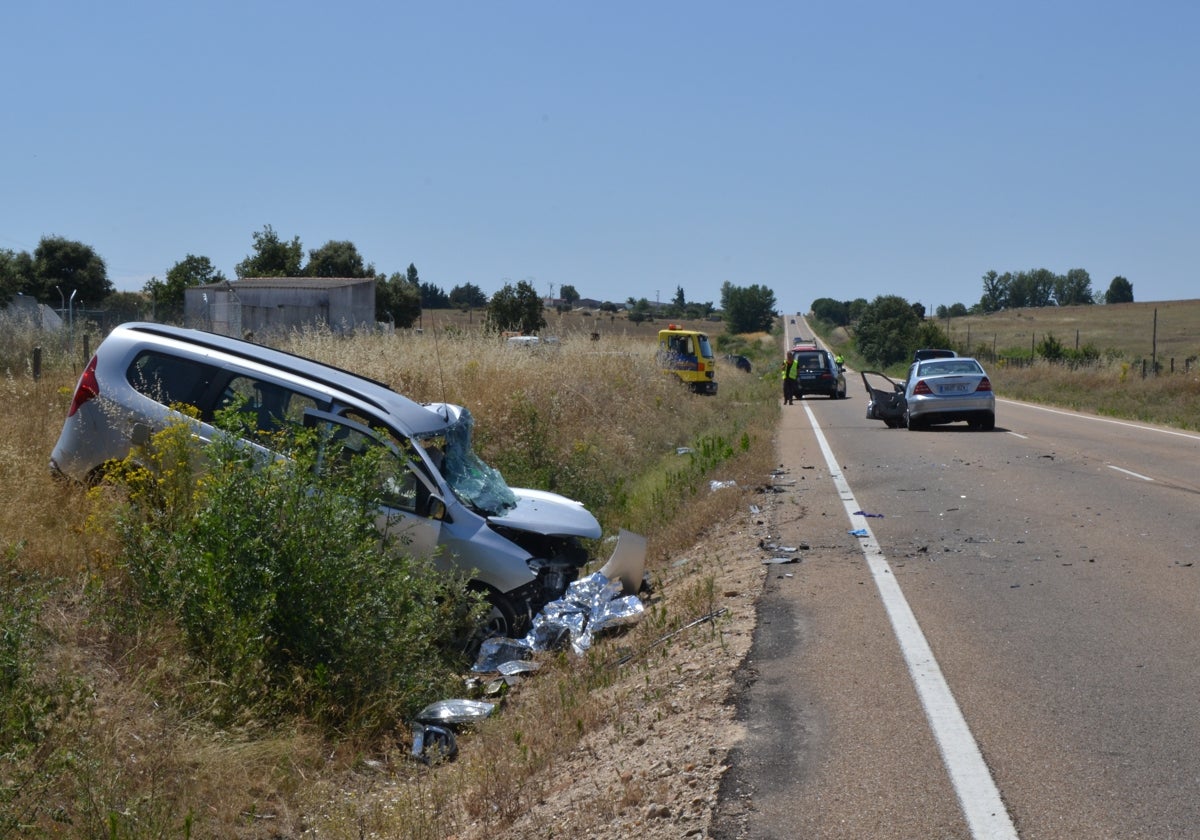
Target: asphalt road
[{"x": 1050, "y": 566}]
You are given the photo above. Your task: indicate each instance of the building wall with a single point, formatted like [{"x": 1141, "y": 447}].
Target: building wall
[{"x": 237, "y": 309}]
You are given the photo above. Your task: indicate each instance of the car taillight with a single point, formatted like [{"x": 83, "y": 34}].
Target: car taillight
[
  {"x": 87, "y": 388},
  {"x": 985, "y": 384},
  {"x": 921, "y": 389}
]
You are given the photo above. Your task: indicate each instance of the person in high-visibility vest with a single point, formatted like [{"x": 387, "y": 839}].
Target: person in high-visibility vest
[{"x": 788, "y": 372}]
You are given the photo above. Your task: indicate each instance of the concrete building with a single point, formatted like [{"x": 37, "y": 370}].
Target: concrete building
[{"x": 269, "y": 304}]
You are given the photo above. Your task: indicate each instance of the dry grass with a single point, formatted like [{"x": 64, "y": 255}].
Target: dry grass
[
  {"x": 1126, "y": 328},
  {"x": 123, "y": 755},
  {"x": 1114, "y": 389}
]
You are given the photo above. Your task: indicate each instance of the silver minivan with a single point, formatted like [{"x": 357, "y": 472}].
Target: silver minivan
[{"x": 521, "y": 547}]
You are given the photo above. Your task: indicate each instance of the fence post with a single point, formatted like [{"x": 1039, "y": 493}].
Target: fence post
[
  {"x": 37, "y": 363},
  {"x": 87, "y": 343}
]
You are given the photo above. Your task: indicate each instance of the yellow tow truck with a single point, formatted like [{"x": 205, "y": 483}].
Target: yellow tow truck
[{"x": 688, "y": 355}]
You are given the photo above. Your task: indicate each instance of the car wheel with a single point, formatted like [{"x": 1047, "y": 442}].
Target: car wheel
[
  {"x": 912, "y": 423},
  {"x": 989, "y": 423},
  {"x": 499, "y": 621}
]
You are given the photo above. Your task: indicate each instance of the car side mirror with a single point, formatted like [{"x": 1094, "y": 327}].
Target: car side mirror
[{"x": 436, "y": 509}]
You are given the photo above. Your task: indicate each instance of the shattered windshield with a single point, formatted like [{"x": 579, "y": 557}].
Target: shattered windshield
[{"x": 476, "y": 484}]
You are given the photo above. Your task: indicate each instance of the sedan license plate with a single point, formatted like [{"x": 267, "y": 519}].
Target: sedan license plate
[{"x": 960, "y": 388}]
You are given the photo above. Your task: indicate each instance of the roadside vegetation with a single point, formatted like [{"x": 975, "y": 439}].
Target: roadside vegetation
[{"x": 220, "y": 653}]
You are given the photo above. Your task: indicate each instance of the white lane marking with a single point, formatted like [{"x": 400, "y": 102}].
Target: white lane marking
[
  {"x": 1077, "y": 415},
  {"x": 1022, "y": 437},
  {"x": 1130, "y": 472},
  {"x": 977, "y": 793}
]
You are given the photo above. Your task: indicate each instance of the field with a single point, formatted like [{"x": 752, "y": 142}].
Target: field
[
  {"x": 101, "y": 734},
  {"x": 105, "y": 732},
  {"x": 1170, "y": 330}
]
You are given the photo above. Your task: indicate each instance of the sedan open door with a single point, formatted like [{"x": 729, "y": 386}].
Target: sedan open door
[{"x": 886, "y": 398}]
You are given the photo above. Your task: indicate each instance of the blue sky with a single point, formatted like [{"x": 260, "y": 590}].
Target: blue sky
[{"x": 838, "y": 150}]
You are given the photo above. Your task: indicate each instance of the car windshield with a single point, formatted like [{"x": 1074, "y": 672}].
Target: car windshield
[
  {"x": 949, "y": 367},
  {"x": 474, "y": 482}
]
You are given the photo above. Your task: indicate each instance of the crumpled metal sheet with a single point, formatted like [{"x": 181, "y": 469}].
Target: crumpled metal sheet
[
  {"x": 496, "y": 651},
  {"x": 590, "y": 605}
]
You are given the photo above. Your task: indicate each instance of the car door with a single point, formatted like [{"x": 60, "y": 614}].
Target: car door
[{"x": 412, "y": 508}]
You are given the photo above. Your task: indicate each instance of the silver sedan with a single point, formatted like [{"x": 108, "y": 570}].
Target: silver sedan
[{"x": 946, "y": 391}]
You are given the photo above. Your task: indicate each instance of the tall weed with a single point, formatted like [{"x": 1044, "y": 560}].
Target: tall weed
[{"x": 274, "y": 573}]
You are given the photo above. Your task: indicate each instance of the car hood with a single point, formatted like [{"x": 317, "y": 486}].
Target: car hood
[{"x": 540, "y": 512}]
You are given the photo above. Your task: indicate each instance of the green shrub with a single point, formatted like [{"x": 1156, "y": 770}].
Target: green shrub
[{"x": 282, "y": 586}]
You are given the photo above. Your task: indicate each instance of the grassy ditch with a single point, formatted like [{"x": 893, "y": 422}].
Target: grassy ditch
[{"x": 115, "y": 723}]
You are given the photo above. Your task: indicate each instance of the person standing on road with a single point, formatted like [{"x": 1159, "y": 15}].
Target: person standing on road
[{"x": 789, "y": 371}]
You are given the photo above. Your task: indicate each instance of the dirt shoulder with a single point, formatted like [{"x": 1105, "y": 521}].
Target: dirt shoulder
[{"x": 655, "y": 771}]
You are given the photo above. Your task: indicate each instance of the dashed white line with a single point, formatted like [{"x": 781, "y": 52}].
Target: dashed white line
[{"x": 978, "y": 795}]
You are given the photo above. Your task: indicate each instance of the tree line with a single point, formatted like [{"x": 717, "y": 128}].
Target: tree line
[{"x": 66, "y": 273}]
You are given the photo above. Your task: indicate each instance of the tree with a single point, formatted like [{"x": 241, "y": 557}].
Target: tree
[
  {"x": 918, "y": 309},
  {"x": 167, "y": 296},
  {"x": 13, "y": 276},
  {"x": 433, "y": 297},
  {"x": 1074, "y": 289},
  {"x": 887, "y": 330},
  {"x": 71, "y": 267},
  {"x": 272, "y": 257},
  {"x": 397, "y": 300},
  {"x": 680, "y": 300},
  {"x": 831, "y": 311},
  {"x": 995, "y": 291},
  {"x": 1031, "y": 288},
  {"x": 467, "y": 296},
  {"x": 749, "y": 309},
  {"x": 568, "y": 294},
  {"x": 337, "y": 259},
  {"x": 1120, "y": 290},
  {"x": 518, "y": 309},
  {"x": 128, "y": 306},
  {"x": 639, "y": 310}
]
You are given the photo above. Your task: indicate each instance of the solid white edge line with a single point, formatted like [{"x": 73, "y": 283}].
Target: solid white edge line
[
  {"x": 1129, "y": 472},
  {"x": 978, "y": 795},
  {"x": 1080, "y": 416}
]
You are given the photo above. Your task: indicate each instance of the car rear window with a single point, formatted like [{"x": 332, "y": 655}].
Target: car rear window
[
  {"x": 949, "y": 367},
  {"x": 810, "y": 361},
  {"x": 169, "y": 379}
]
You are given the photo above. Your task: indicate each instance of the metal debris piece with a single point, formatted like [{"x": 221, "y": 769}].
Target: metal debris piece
[
  {"x": 859, "y": 532},
  {"x": 721, "y": 485},
  {"x": 455, "y": 711},
  {"x": 779, "y": 561},
  {"x": 868, "y": 515},
  {"x": 663, "y": 639},
  {"x": 433, "y": 743},
  {"x": 628, "y": 561},
  {"x": 498, "y": 651},
  {"x": 513, "y": 667}
]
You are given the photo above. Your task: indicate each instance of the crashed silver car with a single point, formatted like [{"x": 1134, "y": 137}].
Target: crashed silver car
[
  {"x": 937, "y": 390},
  {"x": 521, "y": 547}
]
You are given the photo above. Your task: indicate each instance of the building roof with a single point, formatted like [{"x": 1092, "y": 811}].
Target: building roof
[{"x": 288, "y": 283}]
